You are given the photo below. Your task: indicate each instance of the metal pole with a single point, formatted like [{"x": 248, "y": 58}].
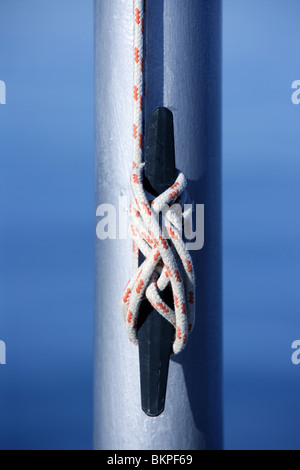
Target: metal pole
[{"x": 183, "y": 72}]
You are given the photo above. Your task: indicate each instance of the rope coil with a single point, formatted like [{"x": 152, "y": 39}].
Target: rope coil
[{"x": 167, "y": 260}]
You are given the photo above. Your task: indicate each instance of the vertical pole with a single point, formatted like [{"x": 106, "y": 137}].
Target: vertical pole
[{"x": 183, "y": 72}]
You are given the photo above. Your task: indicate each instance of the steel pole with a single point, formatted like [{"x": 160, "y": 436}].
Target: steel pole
[{"x": 183, "y": 72}]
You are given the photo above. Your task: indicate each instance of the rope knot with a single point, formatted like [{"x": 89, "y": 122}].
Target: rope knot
[{"x": 157, "y": 228}]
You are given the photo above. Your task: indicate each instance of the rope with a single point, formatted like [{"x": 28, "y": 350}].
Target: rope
[
  {"x": 138, "y": 80},
  {"x": 167, "y": 260}
]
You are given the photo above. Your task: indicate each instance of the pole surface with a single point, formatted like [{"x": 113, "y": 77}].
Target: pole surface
[{"x": 183, "y": 73}]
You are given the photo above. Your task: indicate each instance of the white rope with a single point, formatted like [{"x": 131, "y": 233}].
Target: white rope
[
  {"x": 167, "y": 260},
  {"x": 138, "y": 80}
]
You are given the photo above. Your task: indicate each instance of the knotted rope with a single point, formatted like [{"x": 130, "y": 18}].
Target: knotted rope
[{"x": 167, "y": 260}]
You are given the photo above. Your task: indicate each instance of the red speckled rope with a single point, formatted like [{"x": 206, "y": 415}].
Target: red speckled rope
[{"x": 166, "y": 258}]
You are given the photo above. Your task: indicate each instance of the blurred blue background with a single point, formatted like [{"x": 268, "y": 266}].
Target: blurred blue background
[
  {"x": 47, "y": 226},
  {"x": 261, "y": 198}
]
